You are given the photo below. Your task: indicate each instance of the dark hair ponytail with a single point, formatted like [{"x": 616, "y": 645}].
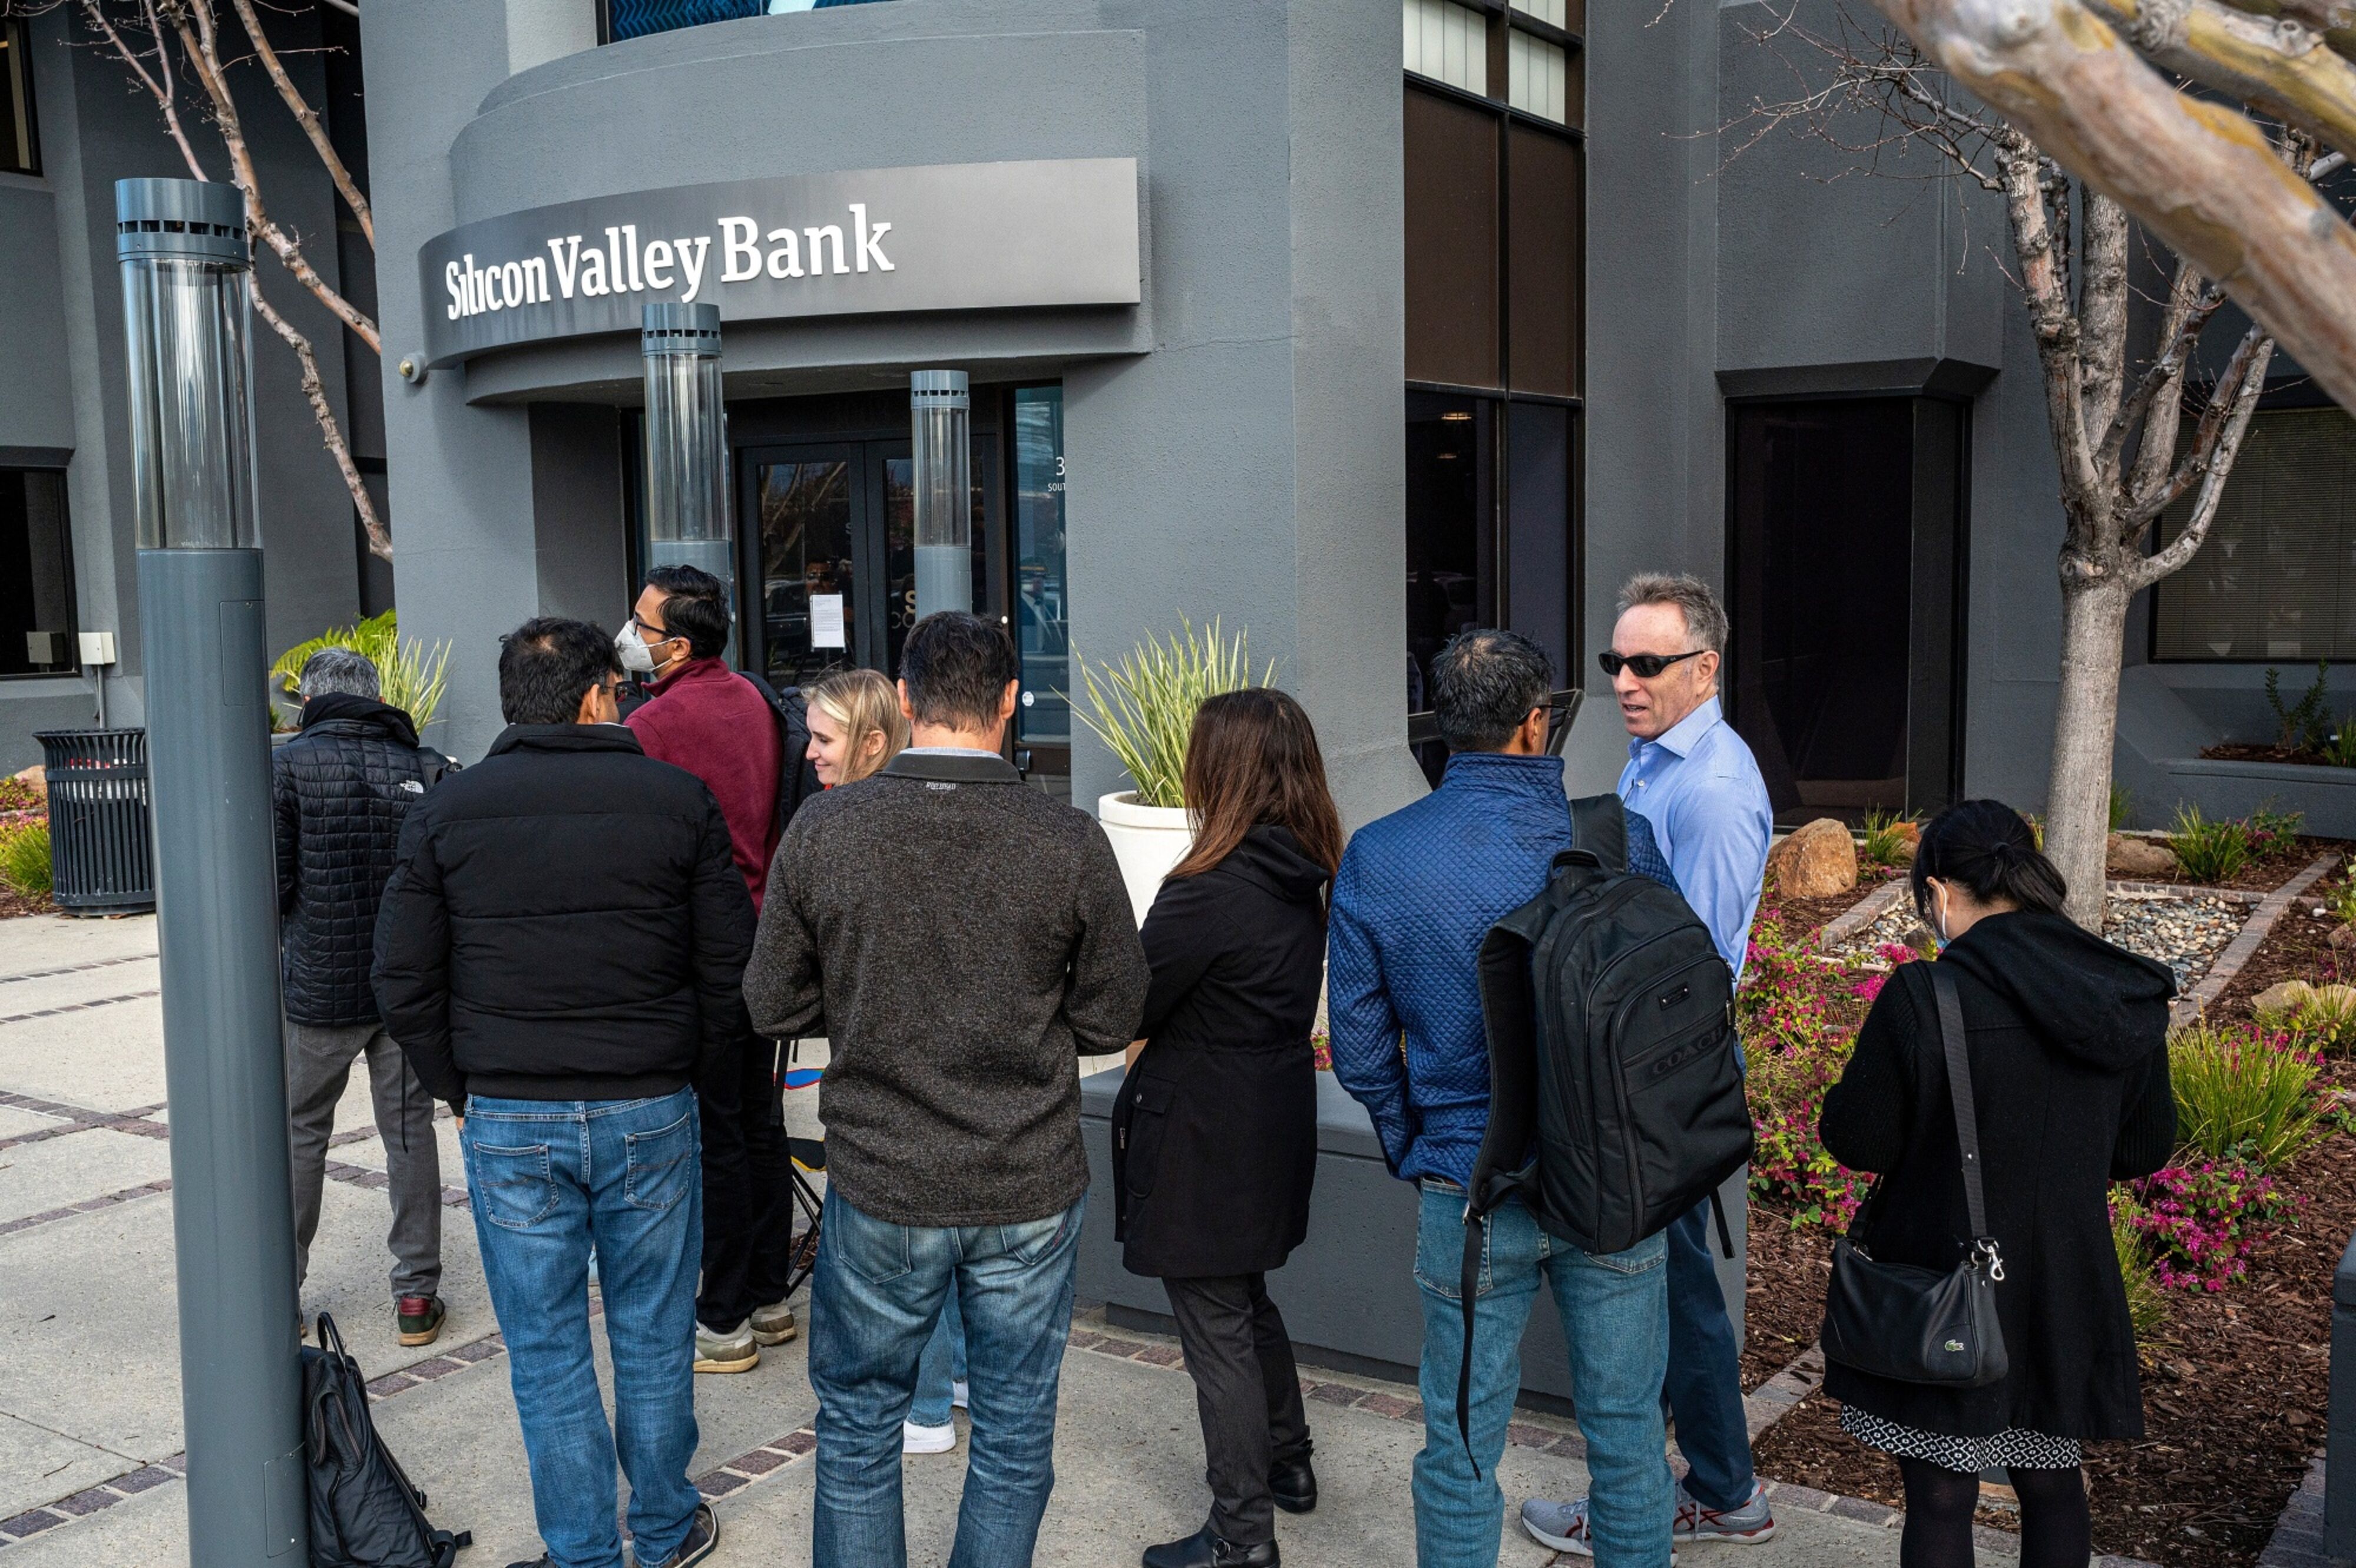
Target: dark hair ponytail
[{"x": 1986, "y": 848}]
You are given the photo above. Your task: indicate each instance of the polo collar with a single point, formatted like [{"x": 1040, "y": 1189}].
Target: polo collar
[{"x": 952, "y": 768}]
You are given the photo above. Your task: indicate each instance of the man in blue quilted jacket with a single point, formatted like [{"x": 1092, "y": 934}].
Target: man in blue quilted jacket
[{"x": 1416, "y": 894}]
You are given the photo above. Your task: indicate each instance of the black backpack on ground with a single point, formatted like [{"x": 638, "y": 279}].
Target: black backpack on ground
[
  {"x": 796, "y": 779},
  {"x": 1615, "y": 1087},
  {"x": 365, "y": 1513}
]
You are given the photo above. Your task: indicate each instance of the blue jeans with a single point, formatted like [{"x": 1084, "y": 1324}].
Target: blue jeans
[
  {"x": 546, "y": 1179},
  {"x": 1705, "y": 1382},
  {"x": 875, "y": 1301},
  {"x": 1615, "y": 1318},
  {"x": 942, "y": 1368}
]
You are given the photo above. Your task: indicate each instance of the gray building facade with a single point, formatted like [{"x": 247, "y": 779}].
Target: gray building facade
[
  {"x": 76, "y": 123},
  {"x": 1463, "y": 329}
]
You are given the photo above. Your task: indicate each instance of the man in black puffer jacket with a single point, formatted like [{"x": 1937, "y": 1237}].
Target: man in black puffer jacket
[
  {"x": 560, "y": 947},
  {"x": 340, "y": 790}
]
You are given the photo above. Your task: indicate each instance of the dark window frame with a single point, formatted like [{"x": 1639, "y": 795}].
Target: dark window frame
[
  {"x": 1502, "y": 18},
  {"x": 17, "y": 32},
  {"x": 73, "y": 667},
  {"x": 2299, "y": 395}
]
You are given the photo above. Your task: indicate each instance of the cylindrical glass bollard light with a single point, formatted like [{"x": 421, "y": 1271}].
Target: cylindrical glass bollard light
[
  {"x": 940, "y": 416},
  {"x": 181, "y": 245},
  {"x": 687, "y": 444},
  {"x": 185, "y": 264}
]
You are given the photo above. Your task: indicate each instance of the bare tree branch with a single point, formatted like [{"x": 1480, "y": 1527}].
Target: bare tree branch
[
  {"x": 300, "y": 107},
  {"x": 2215, "y": 465},
  {"x": 2158, "y": 398},
  {"x": 199, "y": 40},
  {"x": 2103, "y": 316},
  {"x": 158, "y": 82},
  {"x": 2053, "y": 324},
  {"x": 2200, "y": 175},
  {"x": 2277, "y": 63},
  {"x": 330, "y": 431}
]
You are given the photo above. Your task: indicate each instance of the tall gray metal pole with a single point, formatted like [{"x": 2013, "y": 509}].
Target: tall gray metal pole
[
  {"x": 940, "y": 416},
  {"x": 184, "y": 256},
  {"x": 687, "y": 442}
]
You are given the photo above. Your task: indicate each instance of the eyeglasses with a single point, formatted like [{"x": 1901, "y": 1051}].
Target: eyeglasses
[{"x": 1645, "y": 665}]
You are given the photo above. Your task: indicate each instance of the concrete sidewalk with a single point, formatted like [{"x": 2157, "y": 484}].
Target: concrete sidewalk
[{"x": 90, "y": 1424}]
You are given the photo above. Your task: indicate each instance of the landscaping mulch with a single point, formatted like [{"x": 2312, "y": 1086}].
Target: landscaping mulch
[
  {"x": 1784, "y": 1302},
  {"x": 2234, "y": 1383},
  {"x": 1802, "y": 917},
  {"x": 14, "y": 903},
  {"x": 2244, "y": 751},
  {"x": 2272, "y": 870}
]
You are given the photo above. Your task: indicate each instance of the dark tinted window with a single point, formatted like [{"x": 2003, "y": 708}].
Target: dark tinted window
[
  {"x": 36, "y": 613},
  {"x": 18, "y": 153}
]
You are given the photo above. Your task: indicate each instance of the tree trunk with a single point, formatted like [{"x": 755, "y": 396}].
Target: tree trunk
[{"x": 2085, "y": 723}]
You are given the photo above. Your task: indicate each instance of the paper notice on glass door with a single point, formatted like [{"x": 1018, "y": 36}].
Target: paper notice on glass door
[{"x": 826, "y": 621}]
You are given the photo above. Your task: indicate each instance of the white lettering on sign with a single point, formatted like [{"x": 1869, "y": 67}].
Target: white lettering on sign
[{"x": 677, "y": 265}]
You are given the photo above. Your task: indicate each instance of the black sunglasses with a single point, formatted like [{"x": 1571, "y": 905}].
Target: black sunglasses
[{"x": 1645, "y": 665}]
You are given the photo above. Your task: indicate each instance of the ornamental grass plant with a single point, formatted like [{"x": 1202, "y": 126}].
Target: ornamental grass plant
[
  {"x": 2147, "y": 1298},
  {"x": 410, "y": 675},
  {"x": 2245, "y": 1093},
  {"x": 1144, "y": 707},
  {"x": 24, "y": 858},
  {"x": 2210, "y": 851}
]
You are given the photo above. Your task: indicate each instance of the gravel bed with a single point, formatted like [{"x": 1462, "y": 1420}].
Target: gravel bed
[{"x": 2184, "y": 933}]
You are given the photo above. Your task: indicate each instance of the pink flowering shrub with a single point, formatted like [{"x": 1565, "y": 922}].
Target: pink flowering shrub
[
  {"x": 1797, "y": 1048},
  {"x": 1896, "y": 953},
  {"x": 2205, "y": 1217}
]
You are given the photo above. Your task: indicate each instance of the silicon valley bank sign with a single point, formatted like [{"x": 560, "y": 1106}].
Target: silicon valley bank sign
[{"x": 941, "y": 237}]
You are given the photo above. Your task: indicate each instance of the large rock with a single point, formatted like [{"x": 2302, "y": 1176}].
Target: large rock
[
  {"x": 2140, "y": 859},
  {"x": 1815, "y": 862},
  {"x": 36, "y": 776},
  {"x": 2285, "y": 998}
]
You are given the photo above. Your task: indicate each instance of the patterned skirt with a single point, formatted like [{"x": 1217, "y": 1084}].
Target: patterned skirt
[{"x": 2016, "y": 1448}]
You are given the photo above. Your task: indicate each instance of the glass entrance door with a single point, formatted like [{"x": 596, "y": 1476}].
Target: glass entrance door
[{"x": 834, "y": 532}]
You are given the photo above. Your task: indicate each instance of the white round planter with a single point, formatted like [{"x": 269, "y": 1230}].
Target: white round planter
[{"x": 1147, "y": 841}]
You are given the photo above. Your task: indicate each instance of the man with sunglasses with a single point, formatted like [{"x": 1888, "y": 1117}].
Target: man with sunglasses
[{"x": 1692, "y": 779}]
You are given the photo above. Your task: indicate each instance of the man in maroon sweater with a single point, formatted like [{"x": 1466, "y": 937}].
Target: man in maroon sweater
[{"x": 712, "y": 721}]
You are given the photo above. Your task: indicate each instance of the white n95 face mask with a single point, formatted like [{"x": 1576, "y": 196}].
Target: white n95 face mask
[{"x": 636, "y": 657}]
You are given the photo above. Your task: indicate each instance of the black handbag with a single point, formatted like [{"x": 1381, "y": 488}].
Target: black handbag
[{"x": 1916, "y": 1325}]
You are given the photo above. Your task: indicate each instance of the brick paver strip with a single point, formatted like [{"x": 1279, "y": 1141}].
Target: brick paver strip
[
  {"x": 2297, "y": 1540},
  {"x": 1862, "y": 913},
  {"x": 64, "y": 1007},
  {"x": 2254, "y": 931},
  {"x": 77, "y": 968}
]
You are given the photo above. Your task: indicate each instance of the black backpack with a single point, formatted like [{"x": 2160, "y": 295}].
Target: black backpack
[
  {"x": 365, "y": 1512},
  {"x": 796, "y": 779},
  {"x": 1616, "y": 1100}
]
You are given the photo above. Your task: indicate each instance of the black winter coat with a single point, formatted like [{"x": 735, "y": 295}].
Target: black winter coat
[
  {"x": 339, "y": 791},
  {"x": 1215, "y": 1131},
  {"x": 564, "y": 921},
  {"x": 2067, "y": 1039}
]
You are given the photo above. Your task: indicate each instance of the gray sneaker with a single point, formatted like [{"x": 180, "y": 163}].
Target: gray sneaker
[
  {"x": 735, "y": 1351},
  {"x": 702, "y": 1536},
  {"x": 774, "y": 1324},
  {"x": 1746, "y": 1526}
]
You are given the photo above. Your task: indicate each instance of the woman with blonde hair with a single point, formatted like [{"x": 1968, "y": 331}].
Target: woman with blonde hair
[{"x": 855, "y": 724}]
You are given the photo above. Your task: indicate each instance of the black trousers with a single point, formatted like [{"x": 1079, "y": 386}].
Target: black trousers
[
  {"x": 1247, "y": 1393},
  {"x": 748, "y": 1204}
]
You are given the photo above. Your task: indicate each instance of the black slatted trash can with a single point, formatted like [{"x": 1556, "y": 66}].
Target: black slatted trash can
[{"x": 101, "y": 858}]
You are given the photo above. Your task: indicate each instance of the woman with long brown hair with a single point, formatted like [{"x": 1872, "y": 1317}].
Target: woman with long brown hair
[{"x": 1215, "y": 1134}]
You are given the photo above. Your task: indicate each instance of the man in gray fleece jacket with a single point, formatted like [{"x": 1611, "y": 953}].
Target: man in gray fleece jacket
[{"x": 962, "y": 939}]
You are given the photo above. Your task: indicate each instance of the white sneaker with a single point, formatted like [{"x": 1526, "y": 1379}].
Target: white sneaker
[
  {"x": 957, "y": 1395},
  {"x": 915, "y": 1439},
  {"x": 774, "y": 1324}
]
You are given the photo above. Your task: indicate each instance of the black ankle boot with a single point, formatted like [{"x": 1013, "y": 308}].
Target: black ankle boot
[
  {"x": 1205, "y": 1549},
  {"x": 1293, "y": 1483}
]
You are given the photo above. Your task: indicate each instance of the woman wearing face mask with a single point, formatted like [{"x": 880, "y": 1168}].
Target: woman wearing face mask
[
  {"x": 856, "y": 725},
  {"x": 2066, "y": 1044}
]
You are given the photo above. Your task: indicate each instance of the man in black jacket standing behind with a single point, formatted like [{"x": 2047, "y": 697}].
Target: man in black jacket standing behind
[
  {"x": 339, "y": 791},
  {"x": 965, "y": 939},
  {"x": 559, "y": 948}
]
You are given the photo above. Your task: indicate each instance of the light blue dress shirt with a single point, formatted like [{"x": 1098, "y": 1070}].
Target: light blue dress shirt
[{"x": 1700, "y": 789}]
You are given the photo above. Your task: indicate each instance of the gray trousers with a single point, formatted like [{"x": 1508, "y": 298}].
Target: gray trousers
[
  {"x": 1247, "y": 1392},
  {"x": 318, "y": 1067}
]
